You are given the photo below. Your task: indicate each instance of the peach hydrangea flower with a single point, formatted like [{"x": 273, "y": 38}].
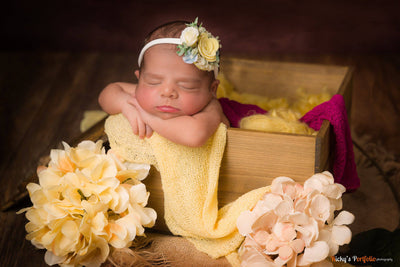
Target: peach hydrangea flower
[
  {"x": 294, "y": 225},
  {"x": 87, "y": 200}
]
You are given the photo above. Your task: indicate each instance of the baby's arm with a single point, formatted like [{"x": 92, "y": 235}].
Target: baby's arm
[
  {"x": 115, "y": 99},
  {"x": 192, "y": 130}
]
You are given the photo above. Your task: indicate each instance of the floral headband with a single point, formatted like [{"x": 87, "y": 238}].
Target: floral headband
[{"x": 196, "y": 46}]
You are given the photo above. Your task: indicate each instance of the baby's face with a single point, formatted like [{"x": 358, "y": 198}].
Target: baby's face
[{"x": 169, "y": 87}]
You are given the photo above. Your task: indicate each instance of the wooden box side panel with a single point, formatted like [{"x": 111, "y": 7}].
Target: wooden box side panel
[
  {"x": 253, "y": 159},
  {"x": 325, "y": 141},
  {"x": 324, "y": 147},
  {"x": 282, "y": 79}
]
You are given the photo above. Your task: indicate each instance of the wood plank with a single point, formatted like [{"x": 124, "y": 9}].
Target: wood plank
[
  {"x": 23, "y": 97},
  {"x": 281, "y": 79},
  {"x": 54, "y": 103},
  {"x": 264, "y": 156}
]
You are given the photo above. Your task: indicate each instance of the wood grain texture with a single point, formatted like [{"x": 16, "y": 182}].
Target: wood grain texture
[
  {"x": 43, "y": 99},
  {"x": 282, "y": 79}
]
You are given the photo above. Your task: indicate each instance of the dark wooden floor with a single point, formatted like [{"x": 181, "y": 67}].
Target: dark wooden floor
[{"x": 43, "y": 96}]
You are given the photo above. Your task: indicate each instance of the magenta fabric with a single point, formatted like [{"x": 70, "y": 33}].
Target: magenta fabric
[
  {"x": 236, "y": 111},
  {"x": 334, "y": 110}
]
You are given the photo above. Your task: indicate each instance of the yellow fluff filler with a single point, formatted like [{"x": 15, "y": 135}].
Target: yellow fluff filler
[
  {"x": 226, "y": 89},
  {"x": 189, "y": 178},
  {"x": 273, "y": 122},
  {"x": 281, "y": 116}
]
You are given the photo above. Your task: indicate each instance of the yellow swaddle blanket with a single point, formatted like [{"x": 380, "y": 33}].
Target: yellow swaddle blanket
[{"x": 190, "y": 184}]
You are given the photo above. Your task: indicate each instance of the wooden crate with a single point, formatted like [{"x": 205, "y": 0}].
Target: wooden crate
[{"x": 252, "y": 158}]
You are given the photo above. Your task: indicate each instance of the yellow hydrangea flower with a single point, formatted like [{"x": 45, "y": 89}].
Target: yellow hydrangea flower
[{"x": 86, "y": 200}]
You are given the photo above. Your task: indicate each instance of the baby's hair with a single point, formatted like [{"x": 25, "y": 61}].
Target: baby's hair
[{"x": 171, "y": 29}]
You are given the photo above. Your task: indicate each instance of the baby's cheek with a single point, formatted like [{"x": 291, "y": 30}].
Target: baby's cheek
[
  {"x": 144, "y": 101},
  {"x": 193, "y": 106}
]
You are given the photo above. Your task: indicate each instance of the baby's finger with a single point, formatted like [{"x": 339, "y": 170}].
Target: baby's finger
[
  {"x": 141, "y": 128},
  {"x": 149, "y": 131},
  {"x": 132, "y": 121},
  {"x": 134, "y": 125}
]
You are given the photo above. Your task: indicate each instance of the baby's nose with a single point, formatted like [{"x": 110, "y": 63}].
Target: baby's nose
[{"x": 169, "y": 91}]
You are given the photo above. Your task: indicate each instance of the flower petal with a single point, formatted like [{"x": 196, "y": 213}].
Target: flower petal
[
  {"x": 315, "y": 253},
  {"x": 52, "y": 259},
  {"x": 309, "y": 232},
  {"x": 320, "y": 208},
  {"x": 245, "y": 221},
  {"x": 284, "y": 208},
  {"x": 265, "y": 222},
  {"x": 297, "y": 245},
  {"x": 285, "y": 253},
  {"x": 251, "y": 257},
  {"x": 334, "y": 191},
  {"x": 277, "y": 184},
  {"x": 284, "y": 231},
  {"x": 261, "y": 237},
  {"x": 344, "y": 218},
  {"x": 298, "y": 218},
  {"x": 341, "y": 235},
  {"x": 139, "y": 194},
  {"x": 267, "y": 203},
  {"x": 142, "y": 169}
]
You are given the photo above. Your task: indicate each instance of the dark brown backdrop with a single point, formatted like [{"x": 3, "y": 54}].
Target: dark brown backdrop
[{"x": 244, "y": 26}]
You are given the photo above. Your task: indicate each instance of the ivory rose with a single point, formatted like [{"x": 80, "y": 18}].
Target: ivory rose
[{"x": 189, "y": 36}]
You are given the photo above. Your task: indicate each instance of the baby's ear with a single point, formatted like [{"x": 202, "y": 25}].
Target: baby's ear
[
  {"x": 137, "y": 74},
  {"x": 214, "y": 87}
]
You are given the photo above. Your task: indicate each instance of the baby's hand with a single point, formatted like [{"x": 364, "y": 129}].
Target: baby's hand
[
  {"x": 142, "y": 113},
  {"x": 138, "y": 126}
]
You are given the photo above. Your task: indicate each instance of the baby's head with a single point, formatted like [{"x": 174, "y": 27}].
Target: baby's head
[{"x": 178, "y": 68}]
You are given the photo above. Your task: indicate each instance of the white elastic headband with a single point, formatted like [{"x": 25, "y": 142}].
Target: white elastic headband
[{"x": 176, "y": 41}]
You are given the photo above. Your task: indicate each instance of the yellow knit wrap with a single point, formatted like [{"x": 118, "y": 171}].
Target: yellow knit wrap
[{"x": 190, "y": 184}]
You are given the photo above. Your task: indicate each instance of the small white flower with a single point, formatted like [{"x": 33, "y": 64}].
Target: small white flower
[{"x": 189, "y": 36}]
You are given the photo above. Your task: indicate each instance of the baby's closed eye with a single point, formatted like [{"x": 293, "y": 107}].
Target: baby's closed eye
[
  {"x": 153, "y": 82},
  {"x": 188, "y": 86}
]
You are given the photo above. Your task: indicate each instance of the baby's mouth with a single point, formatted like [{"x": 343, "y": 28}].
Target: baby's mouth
[{"x": 168, "y": 109}]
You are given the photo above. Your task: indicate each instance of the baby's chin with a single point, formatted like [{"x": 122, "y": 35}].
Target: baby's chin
[{"x": 167, "y": 116}]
